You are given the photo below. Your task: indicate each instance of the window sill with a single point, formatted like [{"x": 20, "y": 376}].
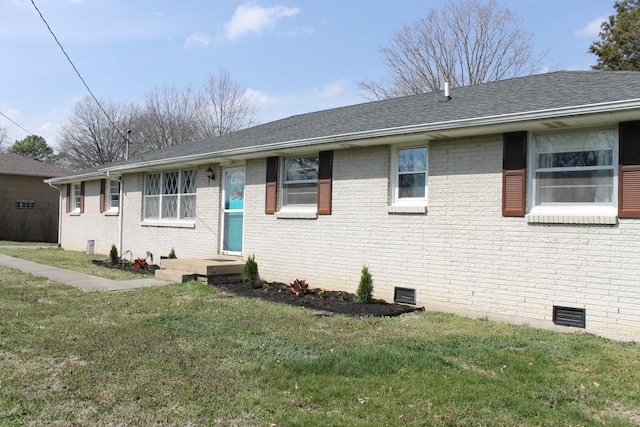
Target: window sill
[
  {"x": 407, "y": 209},
  {"x": 291, "y": 214},
  {"x": 111, "y": 213},
  {"x": 168, "y": 224},
  {"x": 74, "y": 213},
  {"x": 568, "y": 217}
]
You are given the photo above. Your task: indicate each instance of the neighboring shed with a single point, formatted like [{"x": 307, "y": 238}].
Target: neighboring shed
[{"x": 28, "y": 206}]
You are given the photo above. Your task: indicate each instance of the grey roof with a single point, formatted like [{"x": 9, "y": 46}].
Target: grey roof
[
  {"x": 13, "y": 164},
  {"x": 554, "y": 90}
]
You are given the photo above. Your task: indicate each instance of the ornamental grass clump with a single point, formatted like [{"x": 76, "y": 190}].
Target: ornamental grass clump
[
  {"x": 250, "y": 275},
  {"x": 364, "y": 294}
]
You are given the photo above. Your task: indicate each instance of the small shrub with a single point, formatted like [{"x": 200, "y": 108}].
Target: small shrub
[
  {"x": 299, "y": 287},
  {"x": 250, "y": 275},
  {"x": 172, "y": 254},
  {"x": 365, "y": 289},
  {"x": 113, "y": 255}
]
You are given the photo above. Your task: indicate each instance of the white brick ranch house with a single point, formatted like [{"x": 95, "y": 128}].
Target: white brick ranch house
[{"x": 518, "y": 200}]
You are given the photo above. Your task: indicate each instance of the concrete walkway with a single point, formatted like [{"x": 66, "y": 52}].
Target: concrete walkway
[{"x": 85, "y": 282}]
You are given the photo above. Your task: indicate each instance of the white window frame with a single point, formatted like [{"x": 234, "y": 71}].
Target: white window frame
[
  {"x": 113, "y": 196},
  {"x": 284, "y": 207},
  {"x": 396, "y": 200},
  {"x": 567, "y": 212},
  {"x": 76, "y": 199},
  {"x": 180, "y": 194}
]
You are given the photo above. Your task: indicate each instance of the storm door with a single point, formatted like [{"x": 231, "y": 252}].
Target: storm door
[{"x": 233, "y": 210}]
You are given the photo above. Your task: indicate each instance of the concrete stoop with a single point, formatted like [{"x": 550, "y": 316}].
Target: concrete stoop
[{"x": 218, "y": 269}]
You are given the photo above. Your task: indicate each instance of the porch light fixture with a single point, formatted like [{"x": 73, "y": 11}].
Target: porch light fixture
[{"x": 210, "y": 175}]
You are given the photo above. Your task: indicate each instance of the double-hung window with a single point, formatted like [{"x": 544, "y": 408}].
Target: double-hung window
[
  {"x": 300, "y": 182},
  {"x": 410, "y": 176},
  {"x": 575, "y": 170},
  {"x": 170, "y": 195},
  {"x": 76, "y": 200},
  {"x": 113, "y": 198}
]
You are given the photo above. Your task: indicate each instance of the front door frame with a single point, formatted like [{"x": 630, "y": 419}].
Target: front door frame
[{"x": 232, "y": 209}]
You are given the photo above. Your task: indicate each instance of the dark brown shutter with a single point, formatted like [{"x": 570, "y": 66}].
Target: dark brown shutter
[
  {"x": 102, "y": 195},
  {"x": 629, "y": 171},
  {"x": 68, "y": 198},
  {"x": 271, "y": 196},
  {"x": 82, "y": 197},
  {"x": 325, "y": 172},
  {"x": 514, "y": 174}
]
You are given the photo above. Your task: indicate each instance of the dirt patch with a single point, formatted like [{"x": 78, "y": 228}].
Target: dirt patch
[{"x": 318, "y": 299}]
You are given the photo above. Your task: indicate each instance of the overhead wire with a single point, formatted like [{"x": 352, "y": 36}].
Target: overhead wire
[
  {"x": 15, "y": 123},
  {"x": 77, "y": 72}
]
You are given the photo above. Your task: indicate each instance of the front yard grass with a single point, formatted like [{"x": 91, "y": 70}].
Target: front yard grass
[
  {"x": 70, "y": 260},
  {"x": 188, "y": 354}
]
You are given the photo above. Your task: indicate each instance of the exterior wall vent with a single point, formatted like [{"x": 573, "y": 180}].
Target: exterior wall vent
[
  {"x": 404, "y": 296},
  {"x": 568, "y": 316}
]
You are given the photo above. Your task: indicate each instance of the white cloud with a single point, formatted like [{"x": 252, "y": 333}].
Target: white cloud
[
  {"x": 260, "y": 99},
  {"x": 197, "y": 40},
  {"x": 254, "y": 18},
  {"x": 591, "y": 30},
  {"x": 331, "y": 90}
]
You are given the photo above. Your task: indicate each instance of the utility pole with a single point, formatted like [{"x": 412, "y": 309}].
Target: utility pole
[{"x": 126, "y": 155}]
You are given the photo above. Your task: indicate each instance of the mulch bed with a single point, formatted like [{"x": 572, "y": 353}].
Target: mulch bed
[{"x": 317, "y": 299}]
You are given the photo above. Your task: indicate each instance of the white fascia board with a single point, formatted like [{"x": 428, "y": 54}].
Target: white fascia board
[
  {"x": 75, "y": 178},
  {"x": 552, "y": 113}
]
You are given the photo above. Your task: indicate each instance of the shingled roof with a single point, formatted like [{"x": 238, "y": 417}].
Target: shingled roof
[
  {"x": 495, "y": 102},
  {"x": 13, "y": 164}
]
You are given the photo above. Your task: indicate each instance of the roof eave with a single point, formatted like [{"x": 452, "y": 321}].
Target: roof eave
[{"x": 374, "y": 137}]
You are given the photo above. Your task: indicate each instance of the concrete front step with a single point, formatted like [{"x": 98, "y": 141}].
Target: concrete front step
[
  {"x": 186, "y": 269},
  {"x": 175, "y": 276}
]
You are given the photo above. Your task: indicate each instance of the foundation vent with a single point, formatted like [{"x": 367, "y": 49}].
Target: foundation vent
[
  {"x": 404, "y": 296},
  {"x": 568, "y": 316}
]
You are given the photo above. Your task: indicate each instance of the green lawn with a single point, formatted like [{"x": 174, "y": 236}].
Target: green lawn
[
  {"x": 70, "y": 260},
  {"x": 186, "y": 354}
]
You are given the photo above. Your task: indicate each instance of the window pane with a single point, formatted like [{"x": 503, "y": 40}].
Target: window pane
[
  {"x": 170, "y": 183},
  {"x": 595, "y": 186},
  {"x": 412, "y": 160},
  {"x": 412, "y": 185},
  {"x": 187, "y": 207},
  {"x": 302, "y": 169},
  {"x": 300, "y": 194},
  {"x": 151, "y": 206},
  {"x": 152, "y": 186},
  {"x": 188, "y": 182},
  {"x": 170, "y": 207}
]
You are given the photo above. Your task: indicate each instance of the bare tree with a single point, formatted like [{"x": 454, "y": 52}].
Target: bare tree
[
  {"x": 3, "y": 138},
  {"x": 169, "y": 117},
  {"x": 225, "y": 106},
  {"x": 465, "y": 43},
  {"x": 91, "y": 138}
]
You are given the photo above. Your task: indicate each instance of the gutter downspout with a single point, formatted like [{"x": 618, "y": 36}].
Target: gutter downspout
[
  {"x": 120, "y": 211},
  {"x": 59, "y": 213}
]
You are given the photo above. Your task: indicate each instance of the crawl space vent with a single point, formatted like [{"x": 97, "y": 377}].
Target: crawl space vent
[
  {"x": 405, "y": 296},
  {"x": 568, "y": 316}
]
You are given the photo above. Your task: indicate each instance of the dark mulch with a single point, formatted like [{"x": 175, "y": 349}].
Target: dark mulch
[
  {"x": 317, "y": 299},
  {"x": 128, "y": 266}
]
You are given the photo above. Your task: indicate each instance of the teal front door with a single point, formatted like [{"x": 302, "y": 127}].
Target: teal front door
[{"x": 233, "y": 210}]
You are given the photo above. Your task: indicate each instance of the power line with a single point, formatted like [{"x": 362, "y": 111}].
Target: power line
[
  {"x": 12, "y": 121},
  {"x": 76, "y": 70}
]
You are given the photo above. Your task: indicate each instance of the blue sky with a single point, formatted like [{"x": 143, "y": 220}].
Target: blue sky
[{"x": 293, "y": 56}]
